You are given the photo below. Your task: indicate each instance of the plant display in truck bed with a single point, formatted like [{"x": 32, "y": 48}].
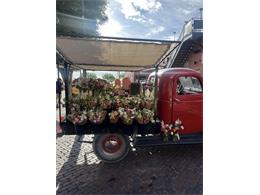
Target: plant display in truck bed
[{"x": 93, "y": 99}]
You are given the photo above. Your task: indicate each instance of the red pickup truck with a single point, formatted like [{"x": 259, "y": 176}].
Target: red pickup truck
[{"x": 179, "y": 96}]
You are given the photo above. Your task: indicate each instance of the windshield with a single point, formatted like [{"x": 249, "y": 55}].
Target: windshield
[{"x": 188, "y": 85}]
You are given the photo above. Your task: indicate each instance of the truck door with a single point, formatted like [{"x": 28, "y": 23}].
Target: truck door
[{"x": 188, "y": 102}]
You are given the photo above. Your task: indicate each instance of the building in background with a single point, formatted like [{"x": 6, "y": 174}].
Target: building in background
[{"x": 188, "y": 53}]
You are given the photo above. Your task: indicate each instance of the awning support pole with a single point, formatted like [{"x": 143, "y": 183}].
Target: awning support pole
[
  {"x": 84, "y": 73},
  {"x": 66, "y": 80},
  {"x": 156, "y": 89},
  {"x": 59, "y": 95}
]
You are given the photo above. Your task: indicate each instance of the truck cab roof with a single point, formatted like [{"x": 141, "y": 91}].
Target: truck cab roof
[{"x": 171, "y": 72}]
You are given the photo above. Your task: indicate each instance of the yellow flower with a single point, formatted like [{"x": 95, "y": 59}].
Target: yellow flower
[{"x": 75, "y": 91}]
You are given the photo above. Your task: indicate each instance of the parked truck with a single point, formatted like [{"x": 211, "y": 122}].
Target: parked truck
[{"x": 179, "y": 97}]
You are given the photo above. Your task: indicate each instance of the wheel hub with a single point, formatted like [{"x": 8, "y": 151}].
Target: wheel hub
[{"x": 111, "y": 144}]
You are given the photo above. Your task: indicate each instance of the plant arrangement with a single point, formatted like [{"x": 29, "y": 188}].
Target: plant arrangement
[
  {"x": 97, "y": 97},
  {"x": 78, "y": 118},
  {"x": 105, "y": 102},
  {"x": 127, "y": 115},
  {"x": 144, "y": 116},
  {"x": 114, "y": 116},
  {"x": 97, "y": 116},
  {"x": 146, "y": 102},
  {"x": 147, "y": 89},
  {"x": 91, "y": 102},
  {"x": 117, "y": 102},
  {"x": 170, "y": 131},
  {"x": 89, "y": 84},
  {"x": 148, "y": 86}
]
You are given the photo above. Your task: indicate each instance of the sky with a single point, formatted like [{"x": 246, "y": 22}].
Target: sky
[{"x": 150, "y": 19}]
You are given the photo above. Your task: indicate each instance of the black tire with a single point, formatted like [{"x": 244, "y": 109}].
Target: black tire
[{"x": 111, "y": 147}]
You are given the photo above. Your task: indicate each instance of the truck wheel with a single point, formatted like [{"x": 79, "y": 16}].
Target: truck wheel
[{"x": 111, "y": 147}]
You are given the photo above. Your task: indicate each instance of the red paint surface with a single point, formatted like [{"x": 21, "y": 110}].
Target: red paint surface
[{"x": 170, "y": 106}]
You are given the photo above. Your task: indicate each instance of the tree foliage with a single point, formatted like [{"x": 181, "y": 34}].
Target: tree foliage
[
  {"x": 91, "y": 75},
  {"x": 121, "y": 75},
  {"x": 109, "y": 77},
  {"x": 75, "y": 16}
]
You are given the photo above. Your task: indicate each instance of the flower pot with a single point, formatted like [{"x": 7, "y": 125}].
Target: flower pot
[
  {"x": 148, "y": 105},
  {"x": 83, "y": 122},
  {"x": 139, "y": 121},
  {"x": 114, "y": 120},
  {"x": 127, "y": 122}
]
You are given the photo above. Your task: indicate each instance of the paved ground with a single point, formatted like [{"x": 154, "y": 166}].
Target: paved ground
[{"x": 174, "y": 170}]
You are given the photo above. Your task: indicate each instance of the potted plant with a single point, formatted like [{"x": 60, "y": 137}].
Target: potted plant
[
  {"x": 114, "y": 116},
  {"x": 97, "y": 116}
]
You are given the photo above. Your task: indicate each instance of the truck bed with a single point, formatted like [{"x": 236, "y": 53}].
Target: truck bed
[{"x": 70, "y": 129}]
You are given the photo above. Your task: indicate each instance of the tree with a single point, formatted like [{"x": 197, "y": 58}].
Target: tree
[
  {"x": 80, "y": 17},
  {"x": 121, "y": 74},
  {"x": 91, "y": 75},
  {"x": 109, "y": 77}
]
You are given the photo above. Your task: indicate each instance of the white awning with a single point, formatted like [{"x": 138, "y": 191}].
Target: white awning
[{"x": 112, "y": 54}]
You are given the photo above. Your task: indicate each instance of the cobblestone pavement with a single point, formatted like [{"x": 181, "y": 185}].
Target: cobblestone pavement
[{"x": 160, "y": 170}]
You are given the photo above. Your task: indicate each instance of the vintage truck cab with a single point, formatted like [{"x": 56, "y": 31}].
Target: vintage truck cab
[{"x": 180, "y": 95}]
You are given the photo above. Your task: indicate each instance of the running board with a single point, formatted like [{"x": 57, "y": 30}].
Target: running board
[{"x": 158, "y": 141}]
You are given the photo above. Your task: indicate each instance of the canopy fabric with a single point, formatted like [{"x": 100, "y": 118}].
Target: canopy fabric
[{"x": 116, "y": 55}]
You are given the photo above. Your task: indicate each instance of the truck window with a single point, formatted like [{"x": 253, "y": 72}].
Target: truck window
[{"x": 188, "y": 85}]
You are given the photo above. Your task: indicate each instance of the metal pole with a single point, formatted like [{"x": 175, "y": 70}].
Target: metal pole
[
  {"x": 59, "y": 96},
  {"x": 66, "y": 88},
  {"x": 201, "y": 9},
  {"x": 83, "y": 8},
  {"x": 155, "y": 89},
  {"x": 83, "y": 16},
  {"x": 84, "y": 73}
]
